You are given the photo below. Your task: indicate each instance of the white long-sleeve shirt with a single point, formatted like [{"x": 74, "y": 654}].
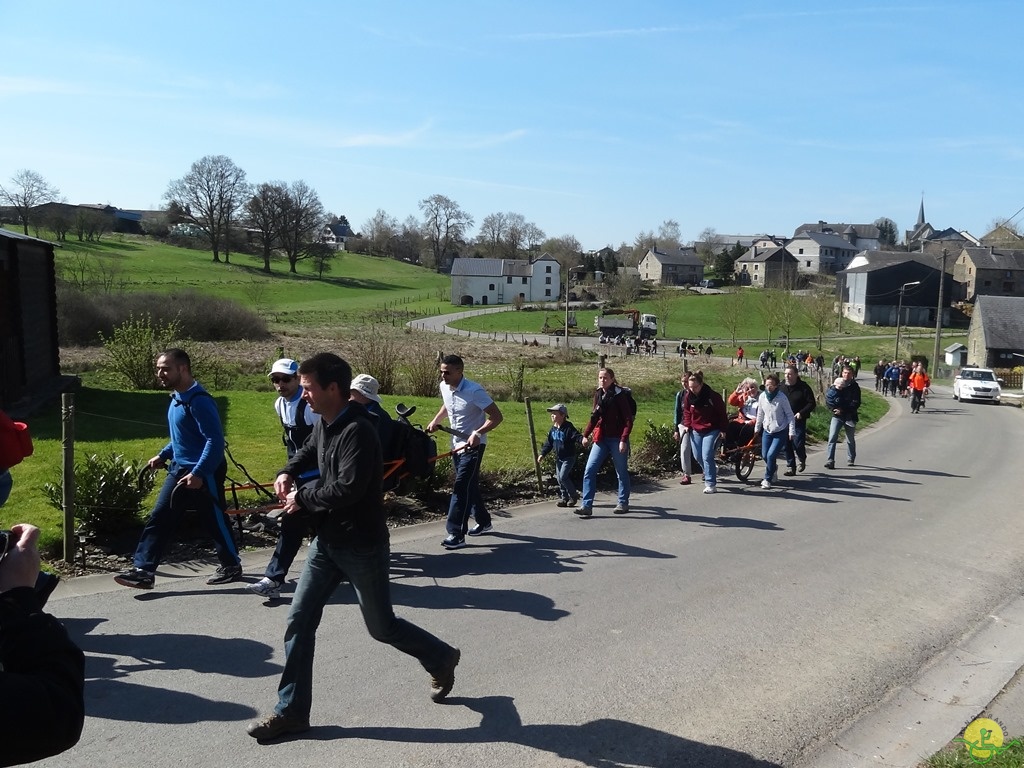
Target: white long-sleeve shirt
[{"x": 774, "y": 415}]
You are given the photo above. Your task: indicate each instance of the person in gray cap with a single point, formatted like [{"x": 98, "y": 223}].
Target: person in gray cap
[
  {"x": 297, "y": 419},
  {"x": 365, "y": 391},
  {"x": 565, "y": 440}
]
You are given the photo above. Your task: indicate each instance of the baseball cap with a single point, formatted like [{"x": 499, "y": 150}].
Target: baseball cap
[
  {"x": 286, "y": 366},
  {"x": 367, "y": 386},
  {"x": 559, "y": 408}
]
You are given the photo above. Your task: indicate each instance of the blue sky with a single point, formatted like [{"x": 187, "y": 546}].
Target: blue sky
[{"x": 596, "y": 119}]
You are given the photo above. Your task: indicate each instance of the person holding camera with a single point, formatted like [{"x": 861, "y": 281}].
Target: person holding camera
[{"x": 42, "y": 682}]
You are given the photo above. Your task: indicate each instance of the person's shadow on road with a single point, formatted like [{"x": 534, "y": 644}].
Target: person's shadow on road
[{"x": 602, "y": 743}]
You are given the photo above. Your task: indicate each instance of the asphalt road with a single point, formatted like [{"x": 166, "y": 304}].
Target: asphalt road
[{"x": 743, "y": 629}]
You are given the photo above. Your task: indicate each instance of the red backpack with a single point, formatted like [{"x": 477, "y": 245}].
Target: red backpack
[{"x": 15, "y": 442}]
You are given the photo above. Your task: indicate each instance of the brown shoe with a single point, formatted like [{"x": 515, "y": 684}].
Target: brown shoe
[
  {"x": 443, "y": 680},
  {"x": 274, "y": 726}
]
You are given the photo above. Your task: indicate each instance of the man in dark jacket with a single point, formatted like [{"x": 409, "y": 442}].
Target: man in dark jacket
[
  {"x": 843, "y": 400},
  {"x": 41, "y": 686},
  {"x": 801, "y": 399},
  {"x": 346, "y": 508}
]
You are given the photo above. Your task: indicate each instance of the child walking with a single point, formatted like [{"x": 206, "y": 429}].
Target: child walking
[{"x": 564, "y": 439}]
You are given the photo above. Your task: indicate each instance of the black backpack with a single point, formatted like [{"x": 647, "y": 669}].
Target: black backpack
[
  {"x": 630, "y": 399},
  {"x": 415, "y": 446}
]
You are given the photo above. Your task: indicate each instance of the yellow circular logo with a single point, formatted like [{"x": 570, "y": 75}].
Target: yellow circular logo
[{"x": 984, "y": 737}]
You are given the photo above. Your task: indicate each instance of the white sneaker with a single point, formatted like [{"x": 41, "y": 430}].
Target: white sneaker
[
  {"x": 710, "y": 489},
  {"x": 765, "y": 484},
  {"x": 266, "y": 587}
]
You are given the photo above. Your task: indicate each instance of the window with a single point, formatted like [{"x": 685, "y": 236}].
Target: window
[
  {"x": 807, "y": 263},
  {"x": 508, "y": 280},
  {"x": 490, "y": 287},
  {"x": 547, "y": 292},
  {"x": 524, "y": 282},
  {"x": 801, "y": 250},
  {"x": 547, "y": 281},
  {"x": 547, "y": 269},
  {"x": 1007, "y": 287}
]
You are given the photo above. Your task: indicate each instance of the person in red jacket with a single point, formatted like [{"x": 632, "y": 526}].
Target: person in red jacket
[
  {"x": 918, "y": 382},
  {"x": 705, "y": 418},
  {"x": 608, "y": 433}
]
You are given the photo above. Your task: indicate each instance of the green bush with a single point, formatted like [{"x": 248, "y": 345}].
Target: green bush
[
  {"x": 109, "y": 492},
  {"x": 132, "y": 349},
  {"x": 658, "y": 449}
]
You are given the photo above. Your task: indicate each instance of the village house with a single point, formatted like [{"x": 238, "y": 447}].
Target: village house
[
  {"x": 504, "y": 281},
  {"x": 680, "y": 266},
  {"x": 995, "y": 338},
  {"x": 767, "y": 268},
  {"x": 988, "y": 271},
  {"x": 877, "y": 290}
]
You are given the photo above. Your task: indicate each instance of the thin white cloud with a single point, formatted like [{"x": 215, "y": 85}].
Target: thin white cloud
[
  {"x": 13, "y": 86},
  {"x": 602, "y": 33}
]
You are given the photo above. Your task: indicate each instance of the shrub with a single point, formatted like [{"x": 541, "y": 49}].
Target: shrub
[
  {"x": 421, "y": 366},
  {"x": 379, "y": 355},
  {"x": 132, "y": 347},
  {"x": 658, "y": 450},
  {"x": 109, "y": 492}
]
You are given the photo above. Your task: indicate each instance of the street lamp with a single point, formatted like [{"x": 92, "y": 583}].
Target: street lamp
[{"x": 899, "y": 316}]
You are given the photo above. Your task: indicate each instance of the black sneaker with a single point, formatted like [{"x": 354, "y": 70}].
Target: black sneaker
[
  {"x": 442, "y": 681},
  {"x": 275, "y": 726},
  {"x": 803, "y": 466},
  {"x": 136, "y": 578},
  {"x": 478, "y": 529},
  {"x": 453, "y": 542},
  {"x": 562, "y": 503},
  {"x": 790, "y": 472},
  {"x": 830, "y": 465},
  {"x": 225, "y": 575}
]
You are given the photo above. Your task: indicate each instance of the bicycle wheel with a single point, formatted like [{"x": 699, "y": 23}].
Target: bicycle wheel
[{"x": 744, "y": 465}]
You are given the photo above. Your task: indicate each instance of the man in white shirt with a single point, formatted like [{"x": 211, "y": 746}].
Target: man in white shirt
[{"x": 472, "y": 413}]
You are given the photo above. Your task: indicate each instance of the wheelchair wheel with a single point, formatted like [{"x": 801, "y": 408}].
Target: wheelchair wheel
[{"x": 745, "y": 465}]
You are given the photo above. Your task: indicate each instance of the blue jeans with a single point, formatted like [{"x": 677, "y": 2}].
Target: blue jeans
[
  {"x": 600, "y": 451},
  {"x": 703, "y": 447},
  {"x": 772, "y": 444},
  {"x": 796, "y": 446},
  {"x": 170, "y": 507},
  {"x": 366, "y": 568},
  {"x": 833, "y": 437},
  {"x": 466, "y": 498},
  {"x": 563, "y": 471}
]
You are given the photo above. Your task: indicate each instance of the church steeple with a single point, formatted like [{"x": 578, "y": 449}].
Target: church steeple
[{"x": 920, "y": 213}]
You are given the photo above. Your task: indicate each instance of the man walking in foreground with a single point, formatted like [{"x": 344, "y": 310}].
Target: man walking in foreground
[
  {"x": 346, "y": 507},
  {"x": 472, "y": 413},
  {"x": 843, "y": 400},
  {"x": 801, "y": 399},
  {"x": 196, "y": 469}
]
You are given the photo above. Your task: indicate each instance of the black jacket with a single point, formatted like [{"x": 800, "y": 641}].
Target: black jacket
[
  {"x": 41, "y": 686},
  {"x": 346, "y": 505},
  {"x": 801, "y": 398}
]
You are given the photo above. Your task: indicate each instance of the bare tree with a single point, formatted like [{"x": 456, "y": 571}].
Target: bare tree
[
  {"x": 493, "y": 232},
  {"x": 444, "y": 227},
  {"x": 302, "y": 223},
  {"x": 380, "y": 232},
  {"x": 642, "y": 243},
  {"x": 731, "y": 311},
  {"x": 265, "y": 213},
  {"x": 669, "y": 235},
  {"x": 25, "y": 191},
  {"x": 708, "y": 244},
  {"x": 409, "y": 242},
  {"x": 209, "y": 196},
  {"x": 768, "y": 309},
  {"x": 820, "y": 309},
  {"x": 532, "y": 235},
  {"x": 665, "y": 303}
]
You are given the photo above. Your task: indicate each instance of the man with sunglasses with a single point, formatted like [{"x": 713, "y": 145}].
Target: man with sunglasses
[
  {"x": 297, "y": 420},
  {"x": 472, "y": 413}
]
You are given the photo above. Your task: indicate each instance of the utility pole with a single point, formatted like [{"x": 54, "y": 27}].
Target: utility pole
[{"x": 938, "y": 316}]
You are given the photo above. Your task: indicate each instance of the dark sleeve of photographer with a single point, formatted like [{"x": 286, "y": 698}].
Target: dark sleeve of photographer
[{"x": 43, "y": 673}]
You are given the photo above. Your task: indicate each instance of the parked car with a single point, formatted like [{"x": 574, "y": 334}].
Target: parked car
[
  {"x": 708, "y": 283},
  {"x": 977, "y": 384}
]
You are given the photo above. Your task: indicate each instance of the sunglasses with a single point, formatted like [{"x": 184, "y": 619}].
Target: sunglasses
[{"x": 280, "y": 379}]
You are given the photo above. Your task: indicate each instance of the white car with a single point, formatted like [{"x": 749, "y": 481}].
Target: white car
[{"x": 977, "y": 384}]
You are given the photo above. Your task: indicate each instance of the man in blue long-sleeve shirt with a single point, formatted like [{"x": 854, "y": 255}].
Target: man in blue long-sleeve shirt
[{"x": 195, "y": 464}]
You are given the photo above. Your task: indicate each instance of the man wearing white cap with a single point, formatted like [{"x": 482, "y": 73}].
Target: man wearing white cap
[{"x": 298, "y": 420}]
